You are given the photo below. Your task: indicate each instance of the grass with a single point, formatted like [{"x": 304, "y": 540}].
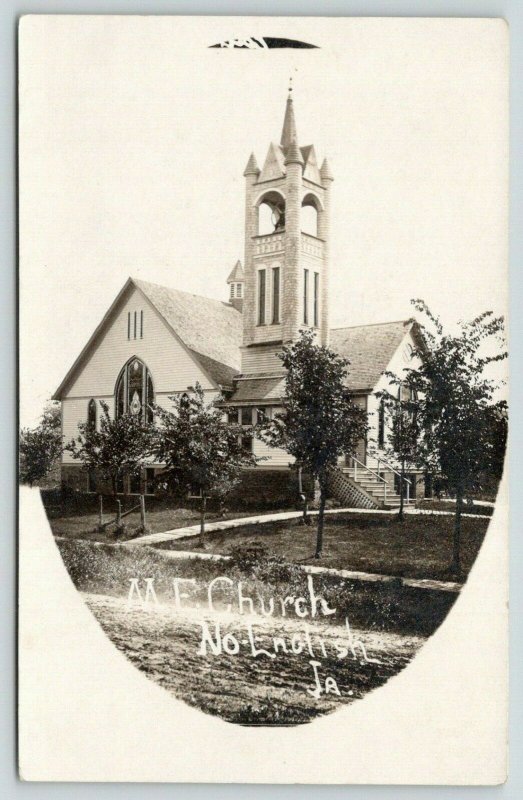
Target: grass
[
  {"x": 448, "y": 505},
  {"x": 78, "y": 517},
  {"x": 418, "y": 547},
  {"x": 104, "y": 569}
]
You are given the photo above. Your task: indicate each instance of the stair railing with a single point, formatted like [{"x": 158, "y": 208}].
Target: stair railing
[
  {"x": 367, "y": 469},
  {"x": 389, "y": 466}
]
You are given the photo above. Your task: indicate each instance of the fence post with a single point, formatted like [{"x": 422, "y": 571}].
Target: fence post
[
  {"x": 101, "y": 512},
  {"x": 142, "y": 510},
  {"x": 385, "y": 492}
]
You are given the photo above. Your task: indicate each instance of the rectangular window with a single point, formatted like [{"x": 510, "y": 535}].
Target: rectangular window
[
  {"x": 128, "y": 324},
  {"x": 232, "y": 290},
  {"x": 275, "y": 295},
  {"x": 135, "y": 324},
  {"x": 246, "y": 416},
  {"x": 141, "y": 324},
  {"x": 316, "y": 298},
  {"x": 91, "y": 481},
  {"x": 261, "y": 415},
  {"x": 233, "y": 416},
  {"x": 261, "y": 297},
  {"x": 246, "y": 443},
  {"x": 305, "y": 296},
  {"x": 135, "y": 483},
  {"x": 381, "y": 425},
  {"x": 239, "y": 290},
  {"x": 120, "y": 485},
  {"x": 149, "y": 480}
]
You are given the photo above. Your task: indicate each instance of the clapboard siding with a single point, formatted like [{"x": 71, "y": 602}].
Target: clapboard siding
[
  {"x": 256, "y": 360},
  {"x": 171, "y": 366},
  {"x": 274, "y": 457},
  {"x": 74, "y": 410}
]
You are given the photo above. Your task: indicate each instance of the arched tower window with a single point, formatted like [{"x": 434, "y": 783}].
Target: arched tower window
[
  {"x": 135, "y": 391},
  {"x": 91, "y": 414},
  {"x": 310, "y": 209},
  {"x": 271, "y": 213}
]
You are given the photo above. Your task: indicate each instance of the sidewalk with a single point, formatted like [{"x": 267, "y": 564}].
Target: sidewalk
[{"x": 229, "y": 524}]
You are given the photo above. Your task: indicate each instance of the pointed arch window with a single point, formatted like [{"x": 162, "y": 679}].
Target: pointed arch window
[
  {"x": 135, "y": 391},
  {"x": 91, "y": 414}
]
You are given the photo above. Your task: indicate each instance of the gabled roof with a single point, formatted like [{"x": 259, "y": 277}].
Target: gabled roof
[
  {"x": 237, "y": 273},
  {"x": 273, "y": 166},
  {"x": 209, "y": 329},
  {"x": 369, "y": 348}
]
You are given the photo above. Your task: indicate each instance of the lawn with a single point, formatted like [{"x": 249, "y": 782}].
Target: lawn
[
  {"x": 448, "y": 505},
  {"x": 418, "y": 547},
  {"x": 78, "y": 517}
]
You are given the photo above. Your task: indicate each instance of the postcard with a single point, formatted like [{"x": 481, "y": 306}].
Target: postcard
[{"x": 263, "y": 399}]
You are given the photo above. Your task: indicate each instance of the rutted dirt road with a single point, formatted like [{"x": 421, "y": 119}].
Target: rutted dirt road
[{"x": 238, "y": 686}]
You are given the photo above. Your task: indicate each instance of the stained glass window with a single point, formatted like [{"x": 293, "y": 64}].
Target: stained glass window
[
  {"x": 135, "y": 391},
  {"x": 91, "y": 414}
]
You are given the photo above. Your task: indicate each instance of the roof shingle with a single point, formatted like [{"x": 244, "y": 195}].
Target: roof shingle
[
  {"x": 209, "y": 328},
  {"x": 369, "y": 348}
]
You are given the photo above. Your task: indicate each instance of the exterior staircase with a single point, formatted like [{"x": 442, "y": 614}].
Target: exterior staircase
[{"x": 360, "y": 487}]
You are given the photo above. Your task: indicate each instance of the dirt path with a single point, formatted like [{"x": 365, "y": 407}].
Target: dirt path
[{"x": 241, "y": 687}]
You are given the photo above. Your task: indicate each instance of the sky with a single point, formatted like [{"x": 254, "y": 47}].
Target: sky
[{"x": 134, "y": 137}]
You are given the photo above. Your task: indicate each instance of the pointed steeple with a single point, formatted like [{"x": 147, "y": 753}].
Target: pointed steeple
[
  {"x": 237, "y": 273},
  {"x": 288, "y": 133},
  {"x": 252, "y": 167},
  {"x": 325, "y": 171}
]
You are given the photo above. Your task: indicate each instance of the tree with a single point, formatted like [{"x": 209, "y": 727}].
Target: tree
[
  {"x": 455, "y": 404},
  {"x": 319, "y": 422},
  {"x": 119, "y": 447},
  {"x": 40, "y": 447},
  {"x": 402, "y": 439},
  {"x": 201, "y": 450}
]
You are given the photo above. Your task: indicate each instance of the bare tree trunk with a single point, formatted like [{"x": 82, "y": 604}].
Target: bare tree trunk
[
  {"x": 321, "y": 516},
  {"x": 203, "y": 507},
  {"x": 456, "y": 555}
]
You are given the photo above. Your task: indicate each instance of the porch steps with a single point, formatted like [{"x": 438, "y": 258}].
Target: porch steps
[{"x": 363, "y": 491}]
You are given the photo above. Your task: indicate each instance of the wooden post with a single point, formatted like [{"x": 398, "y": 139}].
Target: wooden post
[
  {"x": 142, "y": 511},
  {"x": 101, "y": 514}
]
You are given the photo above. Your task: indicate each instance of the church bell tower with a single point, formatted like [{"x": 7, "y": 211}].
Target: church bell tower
[{"x": 286, "y": 249}]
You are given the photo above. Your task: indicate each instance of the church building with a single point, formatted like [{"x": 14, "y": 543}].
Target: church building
[{"x": 156, "y": 341}]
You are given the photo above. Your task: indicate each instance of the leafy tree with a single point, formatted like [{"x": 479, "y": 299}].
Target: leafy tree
[
  {"x": 201, "y": 450},
  {"x": 455, "y": 404},
  {"x": 119, "y": 447},
  {"x": 319, "y": 422},
  {"x": 40, "y": 447},
  {"x": 402, "y": 439}
]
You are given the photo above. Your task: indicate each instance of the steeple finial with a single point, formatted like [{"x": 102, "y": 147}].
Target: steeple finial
[{"x": 288, "y": 133}]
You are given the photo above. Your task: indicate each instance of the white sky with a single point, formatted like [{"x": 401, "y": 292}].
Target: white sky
[{"x": 134, "y": 137}]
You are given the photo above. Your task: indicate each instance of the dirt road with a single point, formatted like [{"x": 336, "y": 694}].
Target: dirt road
[{"x": 241, "y": 684}]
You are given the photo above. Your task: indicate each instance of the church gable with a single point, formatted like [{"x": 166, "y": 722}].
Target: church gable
[{"x": 133, "y": 327}]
